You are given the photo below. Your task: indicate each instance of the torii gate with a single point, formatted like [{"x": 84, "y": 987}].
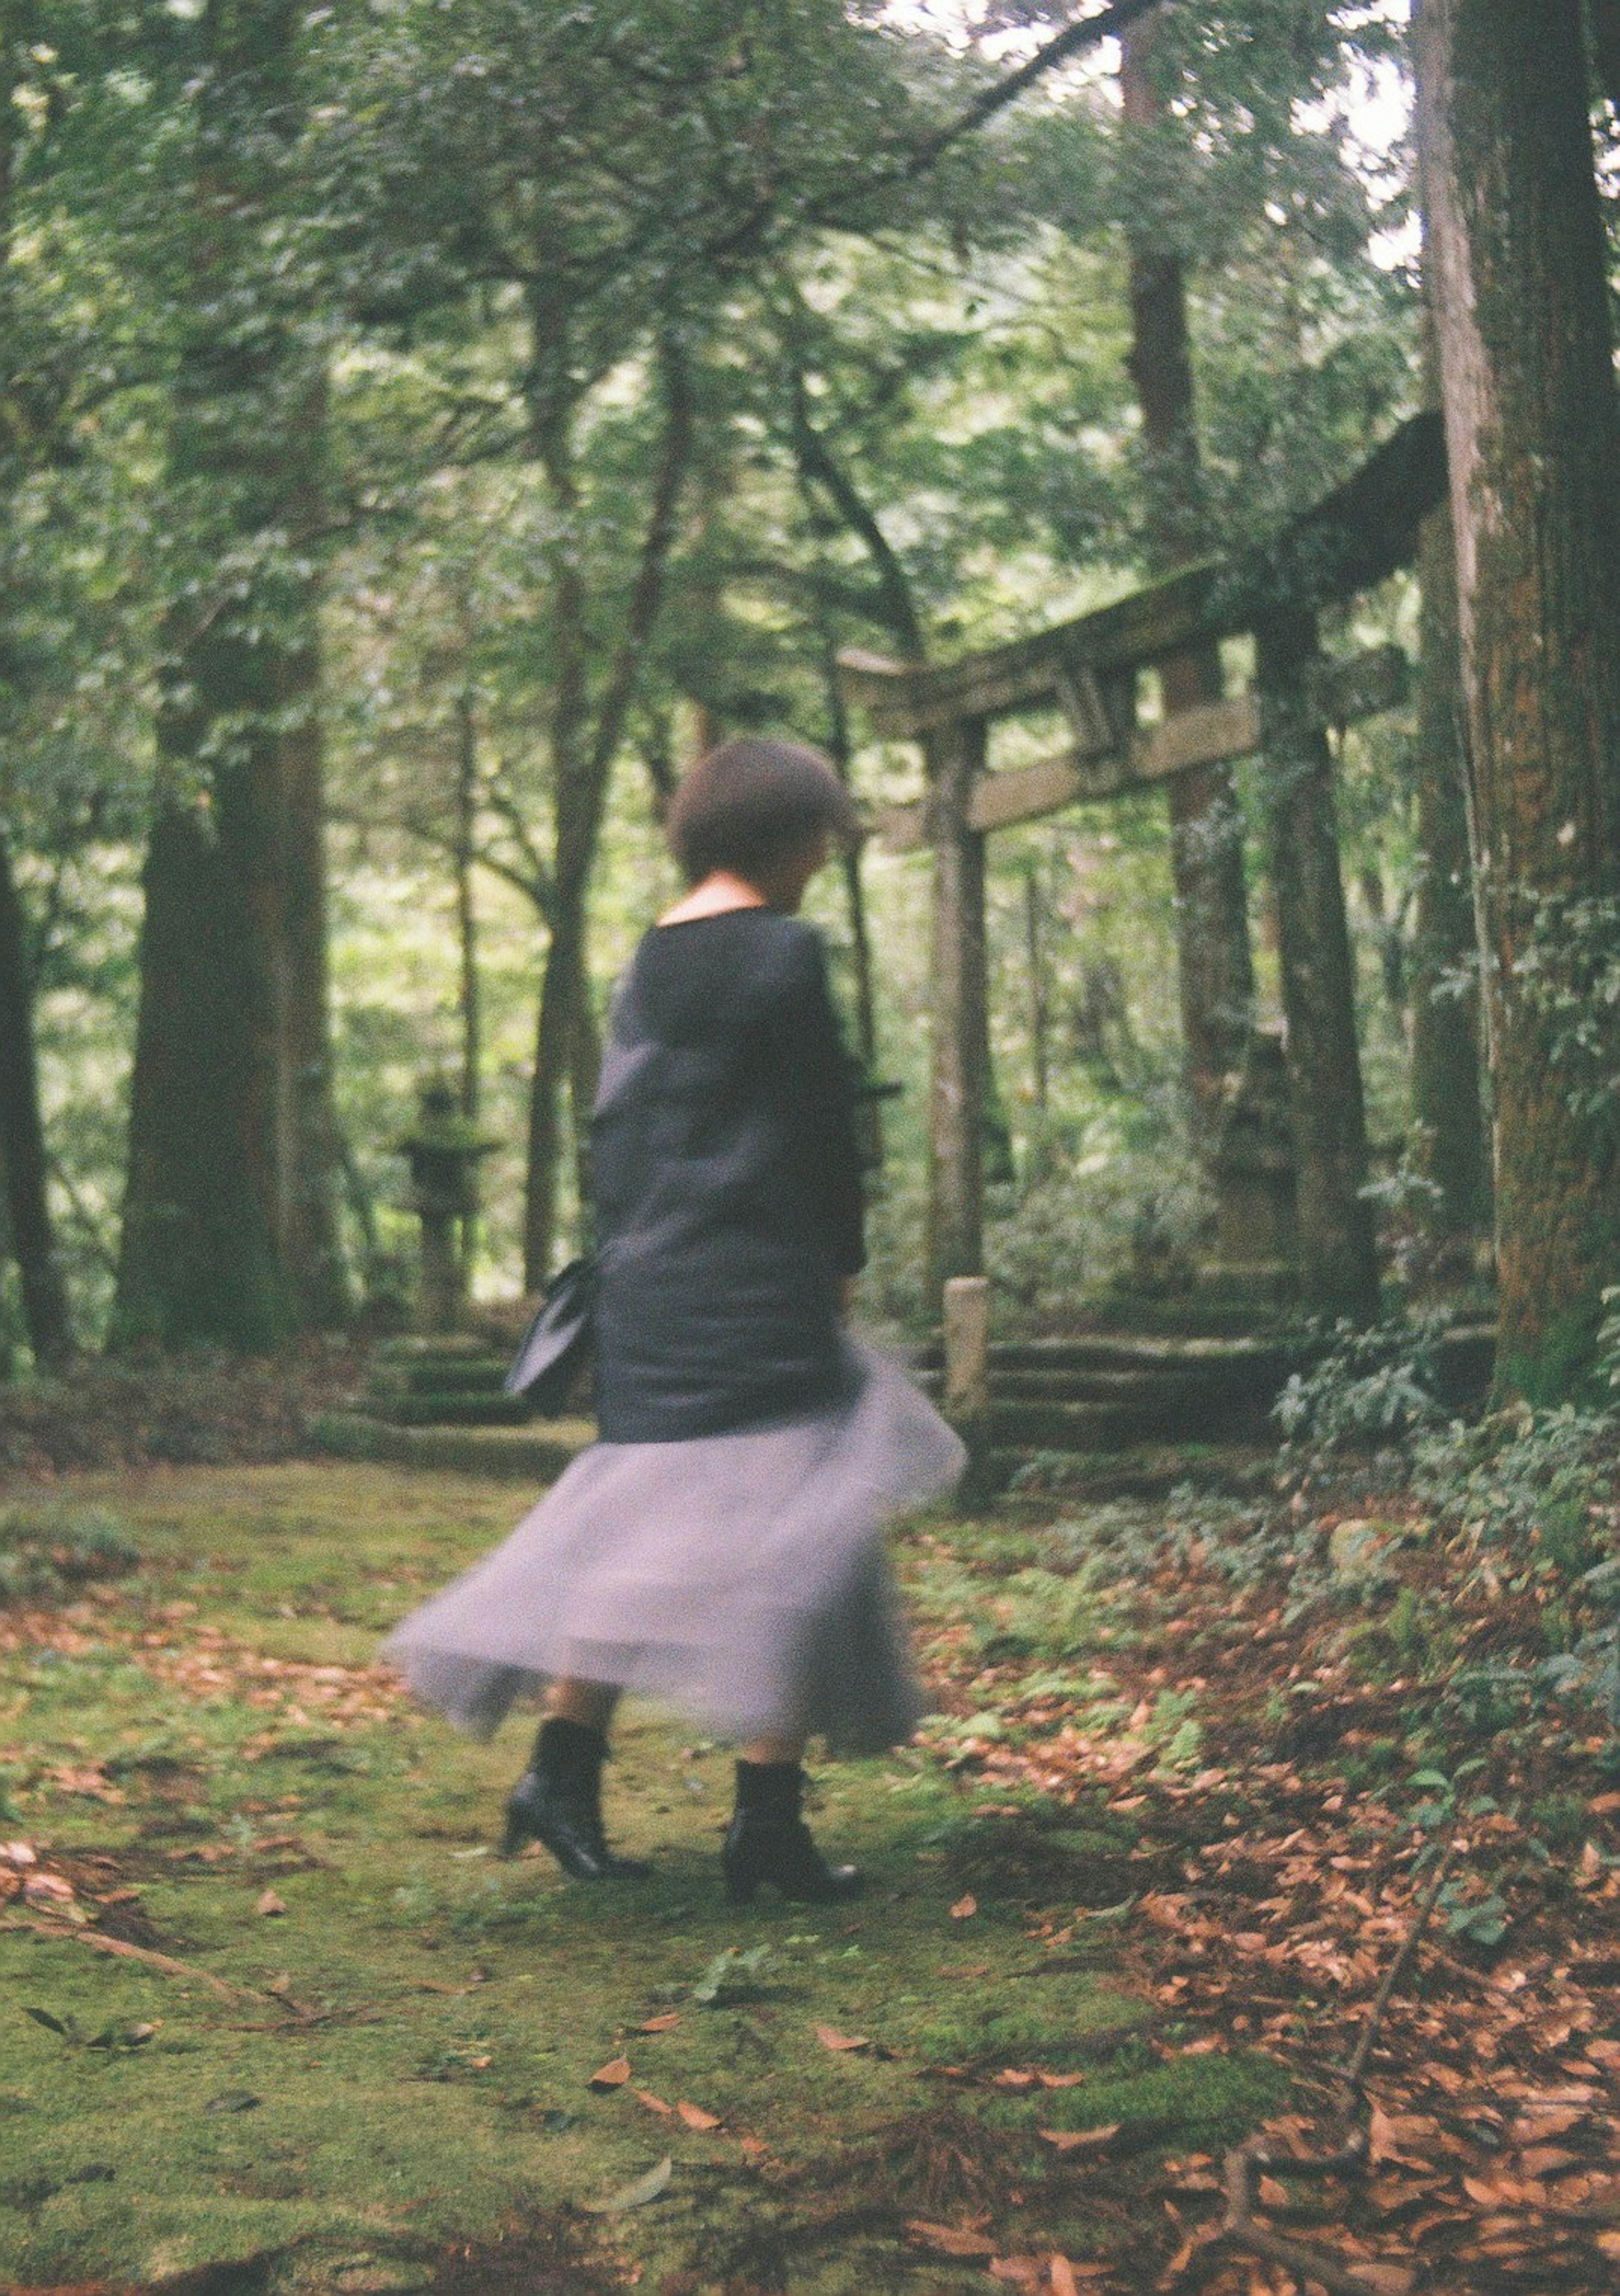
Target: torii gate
[{"x": 1355, "y": 537}]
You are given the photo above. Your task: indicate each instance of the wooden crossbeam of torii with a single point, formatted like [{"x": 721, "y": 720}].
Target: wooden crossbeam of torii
[
  {"x": 1354, "y": 537},
  {"x": 1109, "y": 758}
]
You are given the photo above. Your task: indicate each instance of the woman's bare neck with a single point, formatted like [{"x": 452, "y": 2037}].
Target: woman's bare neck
[{"x": 718, "y": 893}]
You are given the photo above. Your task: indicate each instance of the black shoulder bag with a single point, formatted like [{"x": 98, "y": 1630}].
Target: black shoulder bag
[{"x": 559, "y": 1341}]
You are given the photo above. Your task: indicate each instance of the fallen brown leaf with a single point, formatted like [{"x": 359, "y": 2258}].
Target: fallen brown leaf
[
  {"x": 614, "y": 2074},
  {"x": 950, "y": 2239},
  {"x": 269, "y": 1904},
  {"x": 830, "y": 2039},
  {"x": 1081, "y": 2140},
  {"x": 695, "y": 2117},
  {"x": 964, "y": 1908},
  {"x": 664, "y": 2024}
]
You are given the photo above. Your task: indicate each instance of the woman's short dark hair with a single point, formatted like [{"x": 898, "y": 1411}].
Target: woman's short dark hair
[{"x": 749, "y": 805}]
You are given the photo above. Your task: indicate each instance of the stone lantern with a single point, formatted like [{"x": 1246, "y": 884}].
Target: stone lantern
[
  {"x": 442, "y": 1150},
  {"x": 1253, "y": 1168}
]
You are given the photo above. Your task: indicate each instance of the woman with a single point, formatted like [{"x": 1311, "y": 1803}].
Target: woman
[{"x": 719, "y": 1546}]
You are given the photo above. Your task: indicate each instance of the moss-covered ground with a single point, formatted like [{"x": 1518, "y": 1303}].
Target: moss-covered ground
[{"x": 399, "y": 2063}]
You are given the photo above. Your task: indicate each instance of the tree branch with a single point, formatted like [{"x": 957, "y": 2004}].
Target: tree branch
[
  {"x": 1075, "y": 39},
  {"x": 818, "y": 465},
  {"x": 647, "y": 595}
]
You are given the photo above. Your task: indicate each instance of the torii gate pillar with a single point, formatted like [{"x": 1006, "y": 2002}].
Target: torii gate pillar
[{"x": 956, "y": 757}]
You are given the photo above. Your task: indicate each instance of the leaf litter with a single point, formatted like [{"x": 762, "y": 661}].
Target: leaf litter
[{"x": 1275, "y": 1891}]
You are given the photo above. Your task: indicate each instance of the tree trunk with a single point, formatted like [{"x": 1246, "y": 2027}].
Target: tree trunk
[
  {"x": 585, "y": 1077},
  {"x": 309, "y": 1182},
  {"x": 1040, "y": 1003},
  {"x": 840, "y": 749},
  {"x": 1215, "y": 969},
  {"x": 26, "y": 1232},
  {"x": 22, "y": 1149},
  {"x": 293, "y": 907},
  {"x": 1605, "y": 16},
  {"x": 1448, "y": 1104},
  {"x": 199, "y": 1259},
  {"x": 1522, "y": 320},
  {"x": 1338, "y": 1268},
  {"x": 469, "y": 996},
  {"x": 962, "y": 1049},
  {"x": 582, "y": 759},
  {"x": 234, "y": 937}
]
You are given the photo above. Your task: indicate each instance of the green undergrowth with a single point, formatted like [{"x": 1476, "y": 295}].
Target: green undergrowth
[{"x": 405, "y": 2057}]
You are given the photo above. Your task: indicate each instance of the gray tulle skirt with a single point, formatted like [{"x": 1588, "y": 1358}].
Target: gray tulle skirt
[{"x": 739, "y": 1578}]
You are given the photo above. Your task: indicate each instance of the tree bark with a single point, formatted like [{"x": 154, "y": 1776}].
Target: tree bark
[
  {"x": 1605, "y": 17},
  {"x": 197, "y": 1260},
  {"x": 469, "y": 992},
  {"x": 1522, "y": 319},
  {"x": 1338, "y": 1267},
  {"x": 308, "y": 1181},
  {"x": 1448, "y": 1102},
  {"x": 26, "y": 1231},
  {"x": 582, "y": 757},
  {"x": 1215, "y": 966},
  {"x": 1040, "y": 1003},
  {"x": 840, "y": 749},
  {"x": 23, "y": 1170},
  {"x": 961, "y": 1037},
  {"x": 232, "y": 1027}
]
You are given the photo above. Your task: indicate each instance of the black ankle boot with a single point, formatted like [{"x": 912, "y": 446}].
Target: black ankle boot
[
  {"x": 558, "y": 1800},
  {"x": 768, "y": 1841}
]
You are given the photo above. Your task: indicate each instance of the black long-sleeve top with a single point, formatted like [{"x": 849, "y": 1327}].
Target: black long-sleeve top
[{"x": 728, "y": 1182}]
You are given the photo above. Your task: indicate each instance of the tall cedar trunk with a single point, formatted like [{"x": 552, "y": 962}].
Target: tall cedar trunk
[
  {"x": 469, "y": 996},
  {"x": 1217, "y": 972},
  {"x": 1453, "y": 1151},
  {"x": 840, "y": 749},
  {"x": 295, "y": 919},
  {"x": 199, "y": 1260},
  {"x": 578, "y": 801},
  {"x": 1605, "y": 16},
  {"x": 960, "y": 1087},
  {"x": 22, "y": 1148},
  {"x": 582, "y": 758},
  {"x": 230, "y": 1222},
  {"x": 1518, "y": 264},
  {"x": 26, "y": 1231},
  {"x": 468, "y": 992},
  {"x": 1338, "y": 1268}
]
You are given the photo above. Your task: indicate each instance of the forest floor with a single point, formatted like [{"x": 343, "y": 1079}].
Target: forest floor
[{"x": 273, "y": 2019}]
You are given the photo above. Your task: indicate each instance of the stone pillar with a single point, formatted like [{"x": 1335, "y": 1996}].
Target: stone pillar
[{"x": 966, "y": 1302}]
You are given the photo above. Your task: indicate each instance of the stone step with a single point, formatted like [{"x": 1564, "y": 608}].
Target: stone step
[
  {"x": 519, "y": 1454},
  {"x": 1088, "y": 1393},
  {"x": 438, "y": 1375},
  {"x": 1064, "y": 1427},
  {"x": 1060, "y": 1426},
  {"x": 455, "y": 1410},
  {"x": 1104, "y": 1353},
  {"x": 431, "y": 1346}
]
